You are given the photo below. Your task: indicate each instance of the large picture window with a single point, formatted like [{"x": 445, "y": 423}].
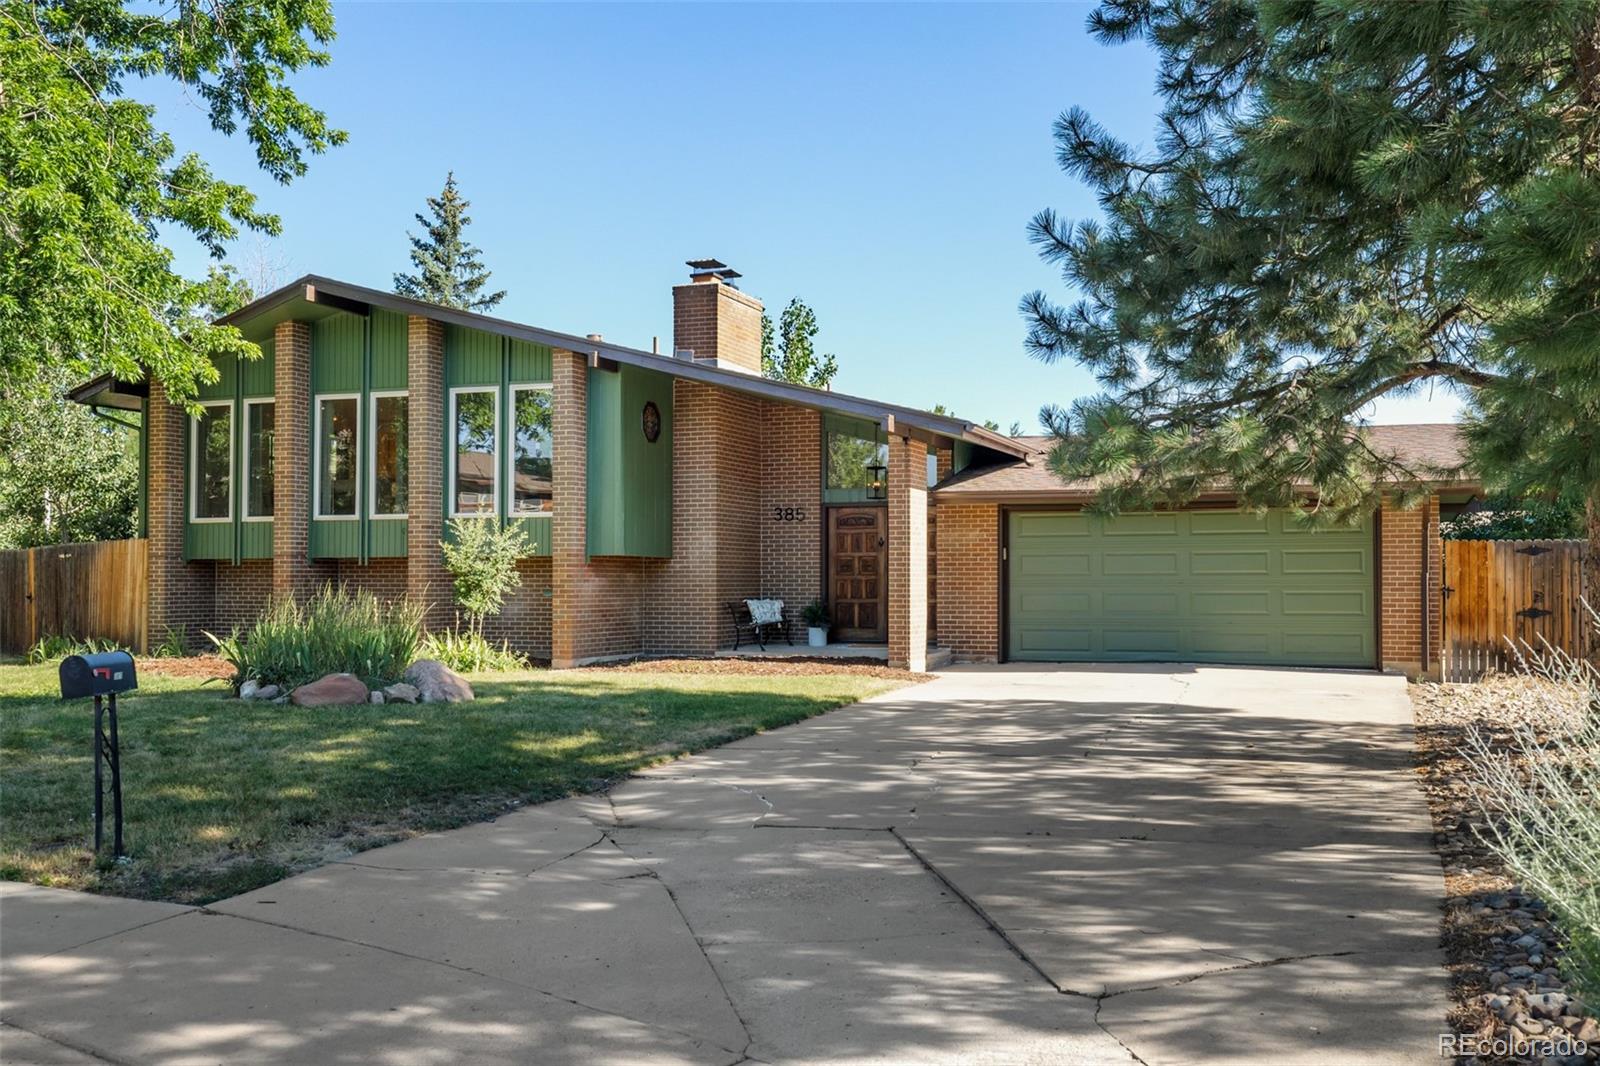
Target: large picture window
[
  {"x": 259, "y": 418},
  {"x": 530, "y": 451},
  {"x": 474, "y": 470},
  {"x": 389, "y": 445},
  {"x": 211, "y": 464},
  {"x": 338, "y": 434},
  {"x": 857, "y": 464}
]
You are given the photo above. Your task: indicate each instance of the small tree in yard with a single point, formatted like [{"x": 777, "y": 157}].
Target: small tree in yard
[{"x": 482, "y": 560}]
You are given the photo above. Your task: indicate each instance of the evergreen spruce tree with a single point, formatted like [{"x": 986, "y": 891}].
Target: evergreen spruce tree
[
  {"x": 789, "y": 353},
  {"x": 449, "y": 269},
  {"x": 1345, "y": 201}
]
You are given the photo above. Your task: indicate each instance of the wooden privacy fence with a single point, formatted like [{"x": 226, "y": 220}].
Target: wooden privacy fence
[
  {"x": 1503, "y": 592},
  {"x": 78, "y": 590}
]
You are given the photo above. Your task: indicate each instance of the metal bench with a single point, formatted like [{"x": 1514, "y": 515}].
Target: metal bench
[{"x": 746, "y": 628}]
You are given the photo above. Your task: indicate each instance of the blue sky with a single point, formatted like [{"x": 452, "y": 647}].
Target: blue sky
[{"x": 880, "y": 161}]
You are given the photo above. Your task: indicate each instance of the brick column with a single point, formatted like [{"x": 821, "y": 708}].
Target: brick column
[
  {"x": 969, "y": 580},
  {"x": 1410, "y": 556},
  {"x": 427, "y": 581},
  {"x": 179, "y": 593},
  {"x": 908, "y": 553},
  {"x": 569, "y": 439},
  {"x": 292, "y": 574}
]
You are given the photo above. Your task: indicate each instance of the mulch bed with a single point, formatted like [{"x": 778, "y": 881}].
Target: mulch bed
[
  {"x": 202, "y": 666},
  {"x": 1501, "y": 947},
  {"x": 771, "y": 667}
]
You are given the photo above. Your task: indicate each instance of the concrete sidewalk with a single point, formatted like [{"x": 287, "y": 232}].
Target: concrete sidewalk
[{"x": 1004, "y": 865}]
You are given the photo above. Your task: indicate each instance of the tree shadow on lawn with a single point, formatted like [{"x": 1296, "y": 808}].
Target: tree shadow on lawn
[{"x": 223, "y": 795}]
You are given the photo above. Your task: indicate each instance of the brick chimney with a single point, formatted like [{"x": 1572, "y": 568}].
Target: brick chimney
[{"x": 714, "y": 320}]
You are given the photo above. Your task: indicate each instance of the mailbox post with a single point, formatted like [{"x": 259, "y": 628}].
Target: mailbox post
[{"x": 102, "y": 676}]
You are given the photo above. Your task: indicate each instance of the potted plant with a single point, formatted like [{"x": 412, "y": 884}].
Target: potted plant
[{"x": 815, "y": 614}]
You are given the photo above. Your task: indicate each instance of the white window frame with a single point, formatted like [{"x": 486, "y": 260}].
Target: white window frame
[
  {"x": 372, "y": 449},
  {"x": 244, "y": 435},
  {"x": 316, "y": 458},
  {"x": 194, "y": 463},
  {"x": 511, "y": 452},
  {"x": 454, "y": 450}
]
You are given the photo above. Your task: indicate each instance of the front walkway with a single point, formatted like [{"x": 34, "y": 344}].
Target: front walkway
[{"x": 1005, "y": 865}]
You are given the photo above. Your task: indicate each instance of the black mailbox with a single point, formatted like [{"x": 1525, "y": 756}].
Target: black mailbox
[{"x": 97, "y": 675}]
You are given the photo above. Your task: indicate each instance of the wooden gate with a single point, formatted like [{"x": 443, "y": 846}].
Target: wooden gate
[
  {"x": 1500, "y": 593},
  {"x": 78, "y": 590}
]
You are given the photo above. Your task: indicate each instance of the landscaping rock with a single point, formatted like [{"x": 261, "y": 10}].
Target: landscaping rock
[
  {"x": 400, "y": 692},
  {"x": 250, "y": 689},
  {"x": 333, "y": 690},
  {"x": 437, "y": 683},
  {"x": 376, "y": 697},
  {"x": 268, "y": 692}
]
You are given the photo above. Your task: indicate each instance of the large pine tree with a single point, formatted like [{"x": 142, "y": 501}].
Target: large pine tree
[
  {"x": 450, "y": 270},
  {"x": 1345, "y": 200}
]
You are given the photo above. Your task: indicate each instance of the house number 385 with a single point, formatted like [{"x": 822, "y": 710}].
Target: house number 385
[{"x": 788, "y": 514}]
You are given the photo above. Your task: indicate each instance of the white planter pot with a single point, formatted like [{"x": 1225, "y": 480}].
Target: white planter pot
[{"x": 816, "y": 637}]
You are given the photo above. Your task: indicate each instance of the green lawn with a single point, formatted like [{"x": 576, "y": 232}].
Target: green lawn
[{"x": 223, "y": 795}]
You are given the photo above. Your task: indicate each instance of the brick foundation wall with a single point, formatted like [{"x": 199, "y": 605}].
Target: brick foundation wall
[
  {"x": 242, "y": 594},
  {"x": 791, "y": 480},
  {"x": 908, "y": 553},
  {"x": 386, "y": 579},
  {"x": 1401, "y": 597},
  {"x": 969, "y": 580},
  {"x": 524, "y": 622}
]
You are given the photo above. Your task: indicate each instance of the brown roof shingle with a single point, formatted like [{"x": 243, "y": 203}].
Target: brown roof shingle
[{"x": 1428, "y": 446}]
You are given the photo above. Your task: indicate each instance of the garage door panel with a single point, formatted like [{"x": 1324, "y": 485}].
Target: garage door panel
[
  {"x": 1148, "y": 641},
  {"x": 1342, "y": 603},
  {"x": 1230, "y": 604},
  {"x": 1238, "y": 645},
  {"x": 1330, "y": 561},
  {"x": 1213, "y": 523},
  {"x": 1230, "y": 562},
  {"x": 1048, "y": 639},
  {"x": 1044, "y": 566},
  {"x": 1136, "y": 564},
  {"x": 1207, "y": 586},
  {"x": 1140, "y": 604}
]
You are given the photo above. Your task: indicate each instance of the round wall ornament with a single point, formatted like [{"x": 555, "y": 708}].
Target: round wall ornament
[{"x": 652, "y": 421}]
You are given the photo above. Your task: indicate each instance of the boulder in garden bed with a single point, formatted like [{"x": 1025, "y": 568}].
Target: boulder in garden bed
[
  {"x": 437, "y": 683},
  {"x": 332, "y": 690},
  {"x": 400, "y": 692}
]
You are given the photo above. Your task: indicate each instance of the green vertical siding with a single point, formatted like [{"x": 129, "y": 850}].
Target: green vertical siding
[
  {"x": 389, "y": 360},
  {"x": 255, "y": 540},
  {"x": 629, "y": 477},
  {"x": 960, "y": 456},
  {"x": 338, "y": 345},
  {"x": 529, "y": 363},
  {"x": 387, "y": 537},
  {"x": 335, "y": 539},
  {"x": 226, "y": 387},
  {"x": 255, "y": 375},
  {"x": 471, "y": 357}
]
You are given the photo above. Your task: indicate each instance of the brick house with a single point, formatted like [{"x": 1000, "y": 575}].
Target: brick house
[{"x": 656, "y": 489}]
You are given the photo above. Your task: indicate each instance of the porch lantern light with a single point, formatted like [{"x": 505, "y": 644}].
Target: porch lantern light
[{"x": 877, "y": 488}]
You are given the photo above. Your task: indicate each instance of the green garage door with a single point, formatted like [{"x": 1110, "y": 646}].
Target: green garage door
[{"x": 1188, "y": 586}]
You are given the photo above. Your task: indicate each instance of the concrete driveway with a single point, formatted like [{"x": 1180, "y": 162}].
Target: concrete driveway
[{"x": 1056, "y": 865}]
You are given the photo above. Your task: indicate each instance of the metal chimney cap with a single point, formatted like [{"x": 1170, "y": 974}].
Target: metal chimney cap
[{"x": 702, "y": 269}]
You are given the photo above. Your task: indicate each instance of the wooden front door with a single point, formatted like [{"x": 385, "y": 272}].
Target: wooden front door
[{"x": 856, "y": 580}]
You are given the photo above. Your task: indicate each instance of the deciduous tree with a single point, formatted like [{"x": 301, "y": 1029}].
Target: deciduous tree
[
  {"x": 789, "y": 353},
  {"x": 90, "y": 185}
]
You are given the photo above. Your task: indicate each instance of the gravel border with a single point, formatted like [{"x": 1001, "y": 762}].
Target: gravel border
[{"x": 1501, "y": 947}]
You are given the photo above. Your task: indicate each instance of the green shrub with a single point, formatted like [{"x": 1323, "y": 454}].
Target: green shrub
[
  {"x": 468, "y": 651},
  {"x": 51, "y": 648},
  {"x": 1541, "y": 803},
  {"x": 337, "y": 631},
  {"x": 175, "y": 645},
  {"x": 482, "y": 560}
]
